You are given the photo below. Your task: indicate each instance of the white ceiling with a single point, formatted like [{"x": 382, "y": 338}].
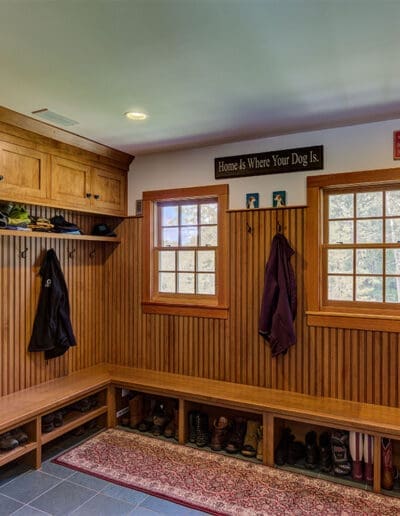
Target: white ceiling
[{"x": 206, "y": 71}]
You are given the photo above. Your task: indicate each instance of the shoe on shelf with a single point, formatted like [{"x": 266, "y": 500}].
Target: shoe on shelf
[
  {"x": 160, "y": 420},
  {"x": 312, "y": 452},
  {"x": 250, "y": 440},
  {"x": 58, "y": 418},
  {"x": 387, "y": 463},
  {"x": 236, "y": 437},
  {"x": 325, "y": 452},
  {"x": 148, "y": 413},
  {"x": 356, "y": 447},
  {"x": 94, "y": 401},
  {"x": 202, "y": 430},
  {"x": 19, "y": 435},
  {"x": 369, "y": 459},
  {"x": 136, "y": 410},
  {"x": 220, "y": 429},
  {"x": 83, "y": 405},
  {"x": 340, "y": 452},
  {"x": 8, "y": 442},
  {"x": 171, "y": 430},
  {"x": 193, "y": 425},
  {"x": 296, "y": 451},
  {"x": 48, "y": 423},
  {"x": 282, "y": 450}
]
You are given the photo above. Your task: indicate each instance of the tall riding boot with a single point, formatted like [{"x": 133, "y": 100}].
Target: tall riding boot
[
  {"x": 219, "y": 433},
  {"x": 369, "y": 459},
  {"x": 387, "y": 463},
  {"x": 340, "y": 452},
  {"x": 356, "y": 446},
  {"x": 136, "y": 410}
]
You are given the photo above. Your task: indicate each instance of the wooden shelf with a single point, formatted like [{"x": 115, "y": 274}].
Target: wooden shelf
[
  {"x": 72, "y": 421},
  {"x": 62, "y": 236},
  {"x": 6, "y": 457}
]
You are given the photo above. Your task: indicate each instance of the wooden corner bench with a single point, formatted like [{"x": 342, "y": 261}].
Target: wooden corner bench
[{"x": 274, "y": 408}]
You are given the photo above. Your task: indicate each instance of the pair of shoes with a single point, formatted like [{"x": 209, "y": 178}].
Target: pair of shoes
[
  {"x": 8, "y": 442},
  {"x": 198, "y": 428},
  {"x": 236, "y": 437},
  {"x": 51, "y": 421},
  {"x": 160, "y": 419},
  {"x": 172, "y": 428},
  {"x": 250, "y": 443},
  {"x": 289, "y": 450},
  {"x": 362, "y": 453},
  {"x": 85, "y": 404},
  {"x": 325, "y": 452},
  {"x": 387, "y": 464}
]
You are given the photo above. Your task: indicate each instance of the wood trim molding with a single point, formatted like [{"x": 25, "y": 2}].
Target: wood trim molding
[{"x": 40, "y": 132}]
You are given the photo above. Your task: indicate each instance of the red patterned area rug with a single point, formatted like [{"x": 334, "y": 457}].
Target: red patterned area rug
[{"x": 215, "y": 483}]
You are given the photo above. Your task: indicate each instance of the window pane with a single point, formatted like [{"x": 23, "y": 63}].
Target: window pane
[
  {"x": 392, "y": 261},
  {"x": 185, "y": 283},
  {"x": 167, "y": 282},
  {"x": 393, "y": 230},
  {"x": 185, "y": 260},
  {"x": 393, "y": 202},
  {"x": 189, "y": 215},
  {"x": 206, "y": 284},
  {"x": 340, "y": 260},
  {"x": 392, "y": 290},
  {"x": 341, "y": 231},
  {"x": 206, "y": 261},
  {"x": 341, "y": 206},
  {"x": 167, "y": 261},
  {"x": 369, "y": 204},
  {"x": 340, "y": 288},
  {"x": 208, "y": 236},
  {"x": 169, "y": 237},
  {"x": 369, "y": 261},
  {"x": 169, "y": 216},
  {"x": 189, "y": 236},
  {"x": 209, "y": 213},
  {"x": 369, "y": 288},
  {"x": 369, "y": 231}
]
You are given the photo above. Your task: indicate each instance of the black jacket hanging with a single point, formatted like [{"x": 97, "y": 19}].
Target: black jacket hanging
[{"x": 52, "y": 330}]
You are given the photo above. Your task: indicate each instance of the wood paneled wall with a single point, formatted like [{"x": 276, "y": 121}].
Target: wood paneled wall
[
  {"x": 83, "y": 264},
  {"x": 349, "y": 364}
]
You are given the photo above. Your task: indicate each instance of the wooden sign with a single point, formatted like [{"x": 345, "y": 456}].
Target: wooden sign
[
  {"x": 396, "y": 145},
  {"x": 275, "y": 162}
]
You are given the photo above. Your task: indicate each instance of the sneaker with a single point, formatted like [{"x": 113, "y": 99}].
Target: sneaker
[
  {"x": 19, "y": 435},
  {"x": 8, "y": 442}
]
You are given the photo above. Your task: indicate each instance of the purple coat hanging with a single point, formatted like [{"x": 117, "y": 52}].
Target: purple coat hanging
[{"x": 279, "y": 301}]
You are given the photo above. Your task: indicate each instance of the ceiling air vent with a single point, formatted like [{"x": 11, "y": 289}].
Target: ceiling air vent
[{"x": 54, "y": 118}]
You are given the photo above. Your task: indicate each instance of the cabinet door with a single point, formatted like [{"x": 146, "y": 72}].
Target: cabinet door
[
  {"x": 109, "y": 191},
  {"x": 24, "y": 173},
  {"x": 70, "y": 183}
]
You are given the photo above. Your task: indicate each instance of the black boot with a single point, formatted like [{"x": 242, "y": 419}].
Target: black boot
[
  {"x": 282, "y": 450},
  {"x": 312, "y": 454},
  {"x": 325, "y": 452},
  {"x": 193, "y": 425}
]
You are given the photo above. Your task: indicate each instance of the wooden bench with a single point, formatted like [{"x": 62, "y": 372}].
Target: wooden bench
[{"x": 273, "y": 407}]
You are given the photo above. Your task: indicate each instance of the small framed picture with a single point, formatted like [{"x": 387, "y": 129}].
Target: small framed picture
[
  {"x": 252, "y": 200},
  {"x": 279, "y": 199}
]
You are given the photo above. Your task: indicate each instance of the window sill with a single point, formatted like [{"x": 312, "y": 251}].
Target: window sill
[
  {"x": 209, "y": 311},
  {"x": 354, "y": 321}
]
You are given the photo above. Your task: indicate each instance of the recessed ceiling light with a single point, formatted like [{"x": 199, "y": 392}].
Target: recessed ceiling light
[{"x": 135, "y": 115}]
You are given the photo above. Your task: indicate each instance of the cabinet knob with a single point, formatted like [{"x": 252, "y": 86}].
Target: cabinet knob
[
  {"x": 1, "y": 178},
  {"x": 97, "y": 196},
  {"x": 88, "y": 195}
]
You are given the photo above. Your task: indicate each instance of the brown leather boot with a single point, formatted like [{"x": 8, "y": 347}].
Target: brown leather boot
[
  {"x": 171, "y": 428},
  {"x": 136, "y": 410},
  {"x": 236, "y": 438},
  {"x": 387, "y": 463},
  {"x": 219, "y": 433}
]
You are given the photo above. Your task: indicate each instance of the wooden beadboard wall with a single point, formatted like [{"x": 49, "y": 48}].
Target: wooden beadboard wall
[
  {"x": 349, "y": 364},
  {"x": 20, "y": 286}
]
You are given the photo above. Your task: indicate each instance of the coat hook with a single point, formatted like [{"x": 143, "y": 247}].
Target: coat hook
[
  {"x": 72, "y": 253},
  {"x": 92, "y": 253},
  {"x": 249, "y": 228},
  {"x": 22, "y": 254}
]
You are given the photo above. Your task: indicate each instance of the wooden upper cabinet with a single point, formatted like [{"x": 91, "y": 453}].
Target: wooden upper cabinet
[
  {"x": 24, "y": 173},
  {"x": 109, "y": 191},
  {"x": 78, "y": 186},
  {"x": 70, "y": 183}
]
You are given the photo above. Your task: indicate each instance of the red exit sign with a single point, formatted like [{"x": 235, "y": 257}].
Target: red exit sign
[{"x": 396, "y": 145}]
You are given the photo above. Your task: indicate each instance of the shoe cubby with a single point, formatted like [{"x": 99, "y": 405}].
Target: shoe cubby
[
  {"x": 324, "y": 452},
  {"x": 224, "y": 430},
  {"x": 77, "y": 414},
  {"x": 21, "y": 443},
  {"x": 152, "y": 415},
  {"x": 390, "y": 466}
]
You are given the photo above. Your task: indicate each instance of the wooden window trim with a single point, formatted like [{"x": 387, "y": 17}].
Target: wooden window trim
[
  {"x": 198, "y": 306},
  {"x": 336, "y": 314}
]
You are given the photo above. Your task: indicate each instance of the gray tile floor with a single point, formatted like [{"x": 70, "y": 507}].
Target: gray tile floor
[{"x": 56, "y": 490}]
